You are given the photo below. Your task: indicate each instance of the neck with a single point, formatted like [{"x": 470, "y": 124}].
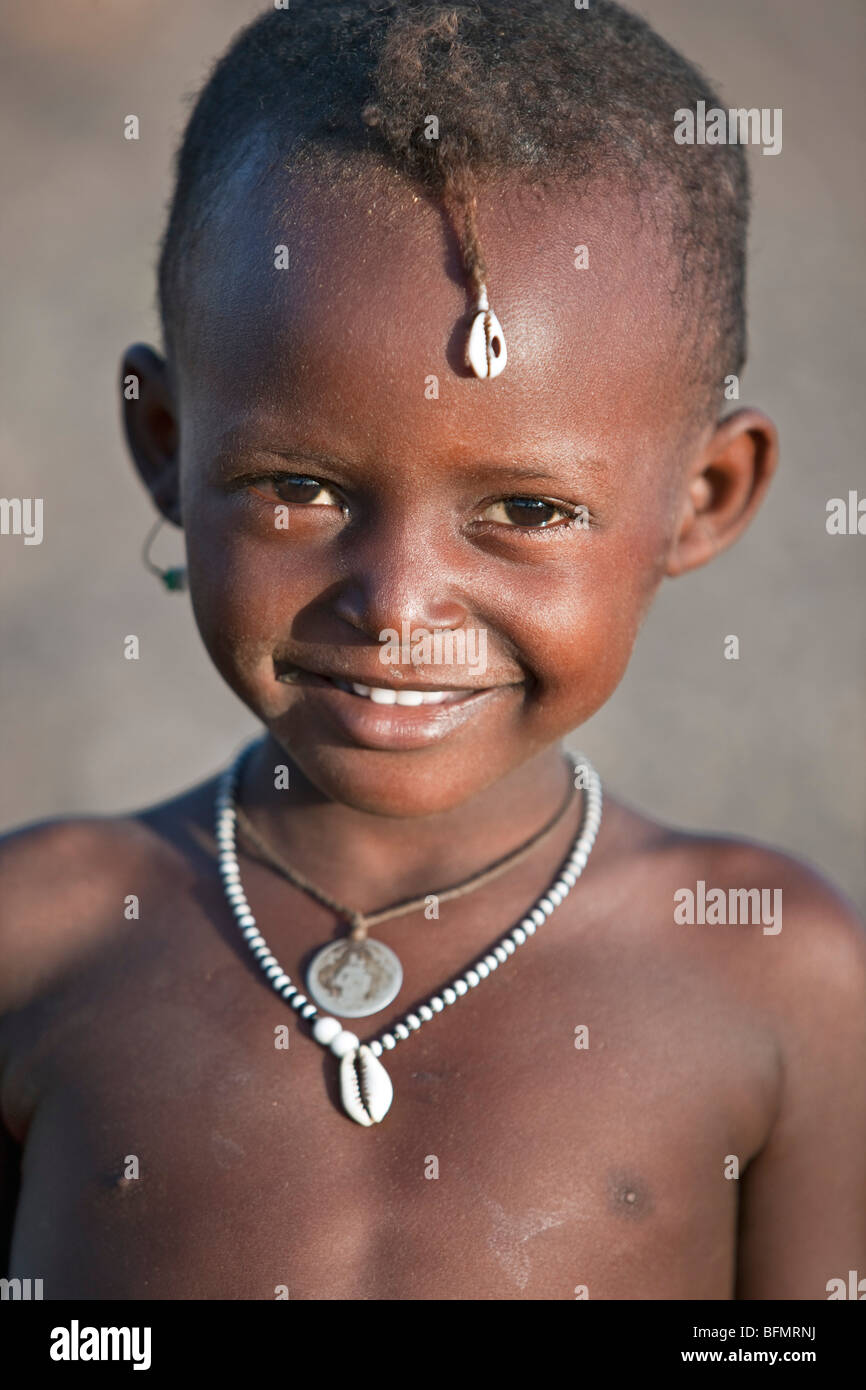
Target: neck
[{"x": 369, "y": 861}]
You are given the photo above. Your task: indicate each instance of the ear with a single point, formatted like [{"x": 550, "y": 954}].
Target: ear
[
  {"x": 723, "y": 489},
  {"x": 151, "y": 423}
]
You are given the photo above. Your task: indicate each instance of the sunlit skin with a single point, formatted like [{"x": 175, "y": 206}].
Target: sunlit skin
[
  {"x": 559, "y": 1169},
  {"x": 321, "y": 371}
]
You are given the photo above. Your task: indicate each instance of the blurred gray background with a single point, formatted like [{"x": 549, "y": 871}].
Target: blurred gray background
[{"x": 771, "y": 746}]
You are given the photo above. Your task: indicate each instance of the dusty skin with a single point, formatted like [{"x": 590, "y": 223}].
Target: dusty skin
[{"x": 559, "y": 1169}]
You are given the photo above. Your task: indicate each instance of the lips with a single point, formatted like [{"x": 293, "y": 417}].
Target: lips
[
  {"x": 390, "y": 718},
  {"x": 377, "y": 693}
]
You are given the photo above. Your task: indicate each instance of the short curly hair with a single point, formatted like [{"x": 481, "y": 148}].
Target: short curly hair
[{"x": 537, "y": 88}]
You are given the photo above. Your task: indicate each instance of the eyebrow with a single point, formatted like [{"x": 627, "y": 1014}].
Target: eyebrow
[{"x": 540, "y": 471}]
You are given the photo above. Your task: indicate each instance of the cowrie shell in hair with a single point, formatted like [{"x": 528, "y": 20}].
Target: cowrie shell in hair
[{"x": 486, "y": 352}]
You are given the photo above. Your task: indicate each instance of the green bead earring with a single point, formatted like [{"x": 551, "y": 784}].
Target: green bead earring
[{"x": 175, "y": 578}]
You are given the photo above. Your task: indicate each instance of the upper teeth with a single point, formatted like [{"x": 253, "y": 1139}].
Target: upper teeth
[{"x": 380, "y": 696}]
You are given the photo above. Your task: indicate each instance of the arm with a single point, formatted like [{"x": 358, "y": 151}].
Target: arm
[
  {"x": 9, "y": 1188},
  {"x": 36, "y": 862},
  {"x": 802, "y": 1218}
]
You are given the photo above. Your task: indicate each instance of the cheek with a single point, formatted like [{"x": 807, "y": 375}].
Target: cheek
[
  {"x": 586, "y": 620},
  {"x": 244, "y": 596}
]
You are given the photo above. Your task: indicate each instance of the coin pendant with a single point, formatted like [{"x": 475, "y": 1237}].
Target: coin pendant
[{"x": 354, "y": 978}]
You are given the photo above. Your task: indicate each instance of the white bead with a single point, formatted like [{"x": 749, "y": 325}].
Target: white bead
[
  {"x": 473, "y": 978},
  {"x": 508, "y": 946},
  {"x": 461, "y": 987},
  {"x": 401, "y": 1031},
  {"x": 287, "y": 991},
  {"x": 491, "y": 962},
  {"x": 538, "y": 917},
  {"x": 246, "y": 920},
  {"x": 388, "y": 1041},
  {"x": 343, "y": 1042},
  {"x": 280, "y": 980},
  {"x": 267, "y": 960},
  {"x": 449, "y": 996},
  {"x": 518, "y": 936},
  {"x": 481, "y": 969},
  {"x": 528, "y": 926},
  {"x": 298, "y": 1001},
  {"x": 569, "y": 878},
  {"x": 413, "y": 1021},
  {"x": 325, "y": 1030},
  {"x": 426, "y": 1011},
  {"x": 437, "y": 1004},
  {"x": 501, "y": 954},
  {"x": 546, "y": 906},
  {"x": 376, "y": 1048},
  {"x": 309, "y": 1011}
]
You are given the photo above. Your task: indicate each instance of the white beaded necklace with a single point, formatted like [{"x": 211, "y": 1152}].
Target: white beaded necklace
[{"x": 365, "y": 1086}]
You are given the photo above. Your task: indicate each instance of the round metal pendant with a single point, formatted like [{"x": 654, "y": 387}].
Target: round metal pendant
[{"x": 354, "y": 978}]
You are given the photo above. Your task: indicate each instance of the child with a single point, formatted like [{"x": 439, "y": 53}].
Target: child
[{"x": 448, "y": 314}]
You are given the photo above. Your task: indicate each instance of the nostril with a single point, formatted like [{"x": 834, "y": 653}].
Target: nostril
[{"x": 285, "y": 672}]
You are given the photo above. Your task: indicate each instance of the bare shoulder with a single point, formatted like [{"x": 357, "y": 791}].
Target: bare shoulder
[
  {"x": 775, "y": 920},
  {"x": 63, "y": 882},
  {"x": 797, "y": 903}
]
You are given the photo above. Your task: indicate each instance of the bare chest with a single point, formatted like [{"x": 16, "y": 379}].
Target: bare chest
[{"x": 566, "y": 1131}]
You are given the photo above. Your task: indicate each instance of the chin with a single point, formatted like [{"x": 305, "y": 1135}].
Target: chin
[{"x": 397, "y": 785}]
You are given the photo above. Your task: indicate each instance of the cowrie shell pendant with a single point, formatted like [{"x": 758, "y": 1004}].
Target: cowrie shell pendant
[
  {"x": 365, "y": 1086},
  {"x": 486, "y": 352}
]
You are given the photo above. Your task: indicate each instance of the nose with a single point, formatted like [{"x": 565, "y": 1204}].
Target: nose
[{"x": 395, "y": 573}]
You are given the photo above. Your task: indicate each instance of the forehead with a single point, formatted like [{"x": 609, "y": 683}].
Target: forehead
[{"x": 333, "y": 306}]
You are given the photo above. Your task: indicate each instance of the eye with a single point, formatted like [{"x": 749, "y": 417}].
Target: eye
[
  {"x": 297, "y": 488},
  {"x": 531, "y": 512}
]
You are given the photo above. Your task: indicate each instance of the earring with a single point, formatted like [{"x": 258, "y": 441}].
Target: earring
[
  {"x": 174, "y": 578},
  {"x": 486, "y": 352}
]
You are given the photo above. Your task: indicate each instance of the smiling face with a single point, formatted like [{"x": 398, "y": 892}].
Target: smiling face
[{"x": 343, "y": 477}]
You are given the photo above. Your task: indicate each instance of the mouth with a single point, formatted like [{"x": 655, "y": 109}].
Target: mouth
[
  {"x": 389, "y": 695},
  {"x": 392, "y": 717}
]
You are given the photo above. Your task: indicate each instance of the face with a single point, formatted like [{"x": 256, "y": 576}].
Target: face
[{"x": 416, "y": 579}]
